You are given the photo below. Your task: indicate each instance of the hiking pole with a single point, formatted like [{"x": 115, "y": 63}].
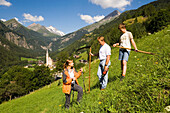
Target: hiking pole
[
  {"x": 136, "y": 51},
  {"x": 73, "y": 91},
  {"x": 87, "y": 47},
  {"x": 89, "y": 68},
  {"x": 83, "y": 83}
]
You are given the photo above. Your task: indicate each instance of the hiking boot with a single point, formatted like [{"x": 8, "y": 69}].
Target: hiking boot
[
  {"x": 102, "y": 89},
  {"x": 122, "y": 77}
]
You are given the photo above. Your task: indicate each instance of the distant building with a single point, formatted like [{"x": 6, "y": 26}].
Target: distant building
[
  {"x": 29, "y": 66},
  {"x": 83, "y": 61},
  {"x": 40, "y": 62},
  {"x": 76, "y": 56},
  {"x": 49, "y": 61}
]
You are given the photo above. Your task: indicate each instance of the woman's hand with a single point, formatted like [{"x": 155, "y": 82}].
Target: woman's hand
[
  {"x": 81, "y": 69},
  {"x": 74, "y": 78}
]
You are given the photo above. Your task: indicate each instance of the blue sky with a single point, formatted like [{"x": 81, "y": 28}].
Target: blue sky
[{"x": 65, "y": 15}]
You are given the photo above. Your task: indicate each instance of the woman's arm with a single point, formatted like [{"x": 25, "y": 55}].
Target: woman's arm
[{"x": 78, "y": 74}]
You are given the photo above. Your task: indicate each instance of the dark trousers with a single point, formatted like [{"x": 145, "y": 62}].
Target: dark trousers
[{"x": 77, "y": 88}]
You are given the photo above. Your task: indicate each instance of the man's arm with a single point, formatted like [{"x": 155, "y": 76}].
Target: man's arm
[
  {"x": 107, "y": 62},
  {"x": 97, "y": 54}
]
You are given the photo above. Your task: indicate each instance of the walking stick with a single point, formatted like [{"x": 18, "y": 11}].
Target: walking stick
[
  {"x": 73, "y": 92},
  {"x": 136, "y": 51},
  {"x": 83, "y": 83},
  {"x": 89, "y": 68}
]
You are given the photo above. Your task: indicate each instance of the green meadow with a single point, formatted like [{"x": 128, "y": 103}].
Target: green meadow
[
  {"x": 28, "y": 59},
  {"x": 146, "y": 87}
]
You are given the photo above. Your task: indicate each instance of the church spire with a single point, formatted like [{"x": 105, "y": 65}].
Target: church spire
[{"x": 47, "y": 57}]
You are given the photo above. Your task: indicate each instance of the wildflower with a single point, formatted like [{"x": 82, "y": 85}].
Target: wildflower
[
  {"x": 156, "y": 62},
  {"x": 138, "y": 59},
  {"x": 100, "y": 102},
  {"x": 135, "y": 56},
  {"x": 60, "y": 105},
  {"x": 140, "y": 65},
  {"x": 167, "y": 108}
]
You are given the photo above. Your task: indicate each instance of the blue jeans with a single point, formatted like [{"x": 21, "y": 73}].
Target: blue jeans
[
  {"x": 103, "y": 80},
  {"x": 124, "y": 54}
]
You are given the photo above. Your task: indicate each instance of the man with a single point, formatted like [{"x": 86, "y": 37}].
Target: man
[
  {"x": 125, "y": 41},
  {"x": 104, "y": 57}
]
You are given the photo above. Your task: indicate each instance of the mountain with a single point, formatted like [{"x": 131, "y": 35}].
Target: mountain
[
  {"x": 34, "y": 39},
  {"x": 43, "y": 30},
  {"x": 55, "y": 31},
  {"x": 13, "y": 37},
  {"x": 72, "y": 37},
  {"x": 38, "y": 37},
  {"x": 111, "y": 16},
  {"x": 105, "y": 20},
  {"x": 12, "y": 46}
]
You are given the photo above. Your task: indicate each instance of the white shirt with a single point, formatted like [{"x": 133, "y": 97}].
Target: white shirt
[
  {"x": 125, "y": 39},
  {"x": 71, "y": 73},
  {"x": 104, "y": 51}
]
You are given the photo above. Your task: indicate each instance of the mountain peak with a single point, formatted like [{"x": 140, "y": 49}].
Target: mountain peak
[
  {"x": 113, "y": 14},
  {"x": 54, "y": 30},
  {"x": 12, "y": 24},
  {"x": 34, "y": 25}
]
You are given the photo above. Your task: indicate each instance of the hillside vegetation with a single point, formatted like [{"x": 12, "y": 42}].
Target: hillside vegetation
[
  {"x": 146, "y": 87},
  {"x": 148, "y": 18}
]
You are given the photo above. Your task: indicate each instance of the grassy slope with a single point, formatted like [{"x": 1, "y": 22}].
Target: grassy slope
[{"x": 145, "y": 88}]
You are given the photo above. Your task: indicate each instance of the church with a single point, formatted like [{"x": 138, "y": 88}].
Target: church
[{"x": 49, "y": 61}]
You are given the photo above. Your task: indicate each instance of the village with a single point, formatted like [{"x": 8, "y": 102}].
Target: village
[{"x": 50, "y": 63}]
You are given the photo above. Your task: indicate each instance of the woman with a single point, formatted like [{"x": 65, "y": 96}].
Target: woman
[{"x": 70, "y": 82}]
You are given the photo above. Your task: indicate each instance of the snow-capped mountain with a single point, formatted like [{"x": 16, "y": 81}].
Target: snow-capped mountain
[{"x": 55, "y": 31}]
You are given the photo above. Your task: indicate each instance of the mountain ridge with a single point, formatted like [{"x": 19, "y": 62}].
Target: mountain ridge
[{"x": 46, "y": 31}]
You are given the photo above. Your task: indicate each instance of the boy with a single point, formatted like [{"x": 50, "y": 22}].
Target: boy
[{"x": 125, "y": 41}]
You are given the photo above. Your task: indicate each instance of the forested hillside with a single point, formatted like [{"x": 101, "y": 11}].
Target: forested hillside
[
  {"x": 155, "y": 17},
  {"x": 10, "y": 53}
]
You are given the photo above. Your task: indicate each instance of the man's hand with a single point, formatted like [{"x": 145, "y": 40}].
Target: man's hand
[
  {"x": 91, "y": 54},
  {"x": 105, "y": 68}
]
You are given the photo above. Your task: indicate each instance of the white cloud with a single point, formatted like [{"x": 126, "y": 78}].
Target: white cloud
[
  {"x": 3, "y": 2},
  {"x": 120, "y": 4},
  {"x": 29, "y": 18},
  {"x": 4, "y": 20},
  {"x": 90, "y": 20}
]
